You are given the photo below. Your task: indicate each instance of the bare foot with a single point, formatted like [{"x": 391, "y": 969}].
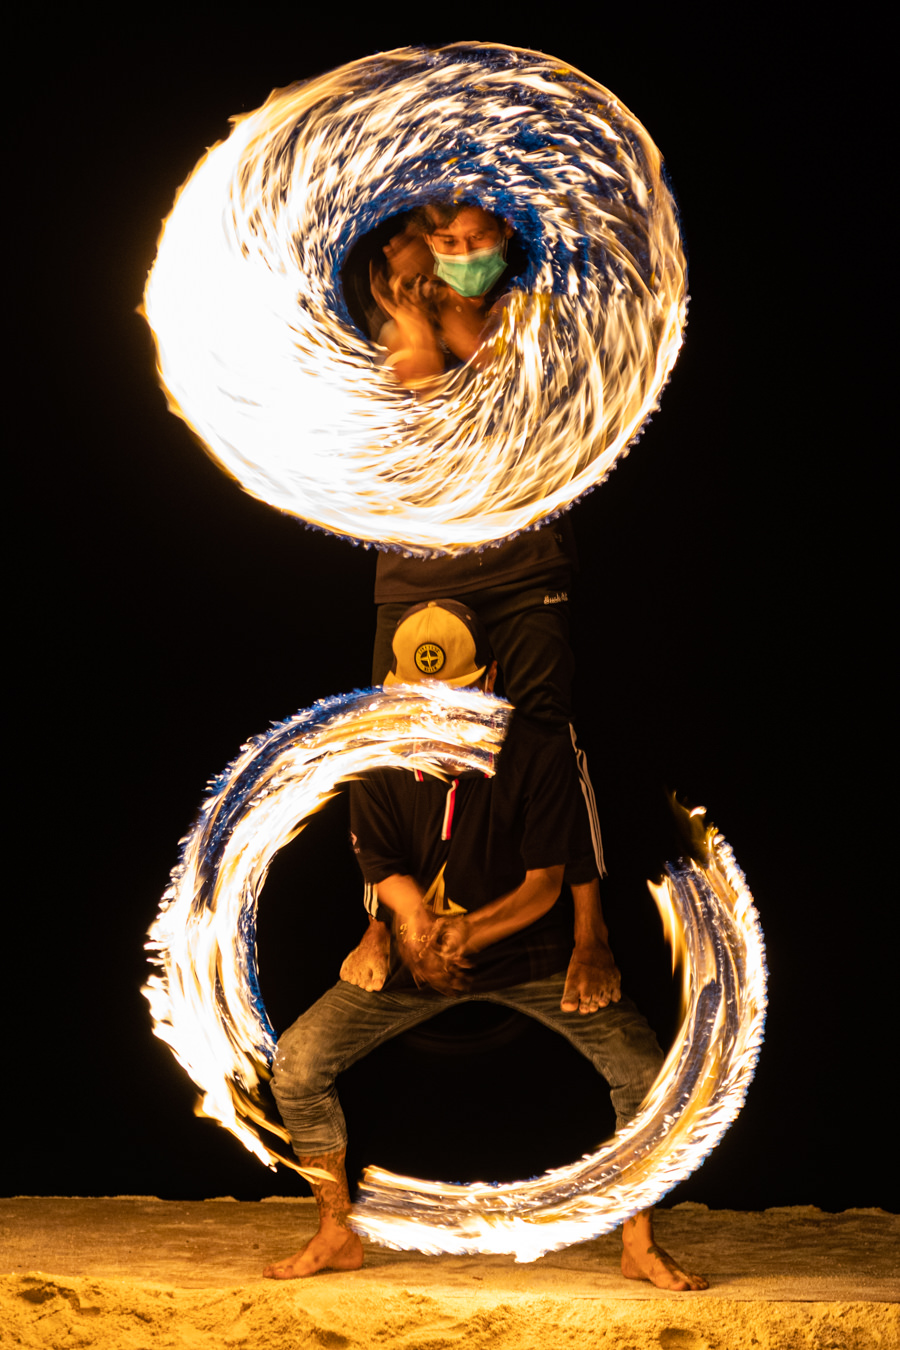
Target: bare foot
[
  {"x": 338, "y": 1250},
  {"x": 642, "y": 1259},
  {"x": 368, "y": 964},
  {"x": 591, "y": 983}
]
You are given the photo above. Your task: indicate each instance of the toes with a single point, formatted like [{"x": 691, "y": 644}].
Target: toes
[{"x": 683, "y": 1283}]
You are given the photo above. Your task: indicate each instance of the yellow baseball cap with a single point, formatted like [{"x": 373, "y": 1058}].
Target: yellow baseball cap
[{"x": 439, "y": 640}]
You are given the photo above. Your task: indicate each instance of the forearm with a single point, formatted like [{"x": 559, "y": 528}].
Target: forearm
[
  {"x": 414, "y": 932},
  {"x": 465, "y": 325},
  {"x": 413, "y": 365},
  {"x": 463, "y": 339},
  {"x": 414, "y": 352},
  {"x": 517, "y": 910},
  {"x": 403, "y": 897}
]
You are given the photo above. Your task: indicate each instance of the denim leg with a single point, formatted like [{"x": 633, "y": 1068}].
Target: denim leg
[
  {"x": 348, "y": 1022},
  {"x": 617, "y": 1040},
  {"x": 345, "y": 1024}
]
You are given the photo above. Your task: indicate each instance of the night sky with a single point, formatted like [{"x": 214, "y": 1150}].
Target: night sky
[{"x": 722, "y": 628}]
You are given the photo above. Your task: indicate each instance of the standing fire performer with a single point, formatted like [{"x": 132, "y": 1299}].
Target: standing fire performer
[{"x": 470, "y": 872}]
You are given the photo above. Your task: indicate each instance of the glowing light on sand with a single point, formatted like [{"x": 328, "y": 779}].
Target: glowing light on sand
[
  {"x": 206, "y": 1002},
  {"x": 259, "y": 356}
]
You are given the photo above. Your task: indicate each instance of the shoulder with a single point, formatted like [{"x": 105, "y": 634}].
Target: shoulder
[{"x": 377, "y": 788}]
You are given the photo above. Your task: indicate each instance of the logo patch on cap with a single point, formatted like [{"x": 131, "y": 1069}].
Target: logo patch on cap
[{"x": 429, "y": 658}]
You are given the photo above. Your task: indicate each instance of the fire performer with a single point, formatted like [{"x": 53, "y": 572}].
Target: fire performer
[
  {"x": 470, "y": 872},
  {"x": 443, "y": 287},
  {"x": 440, "y": 295},
  {"x": 444, "y": 296}
]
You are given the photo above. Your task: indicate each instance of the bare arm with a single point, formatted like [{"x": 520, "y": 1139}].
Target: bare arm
[
  {"x": 415, "y": 355},
  {"x": 414, "y": 931},
  {"x": 404, "y": 897},
  {"x": 457, "y": 938},
  {"x": 419, "y": 312},
  {"x": 463, "y": 322},
  {"x": 592, "y": 980},
  {"x": 510, "y": 913},
  {"x": 436, "y": 950}
]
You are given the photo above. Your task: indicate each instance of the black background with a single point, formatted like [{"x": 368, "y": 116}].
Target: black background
[{"x": 724, "y": 625}]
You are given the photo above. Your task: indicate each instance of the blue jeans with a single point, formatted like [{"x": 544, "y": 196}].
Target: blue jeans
[{"x": 347, "y": 1022}]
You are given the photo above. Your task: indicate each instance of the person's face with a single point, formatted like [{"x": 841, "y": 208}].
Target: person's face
[
  {"x": 472, "y": 229},
  {"x": 408, "y": 256}
]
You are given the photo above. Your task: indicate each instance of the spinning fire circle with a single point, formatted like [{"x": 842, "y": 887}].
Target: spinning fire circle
[{"x": 257, "y": 350}]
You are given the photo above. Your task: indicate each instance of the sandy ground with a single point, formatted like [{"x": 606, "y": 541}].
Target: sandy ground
[{"x": 144, "y": 1274}]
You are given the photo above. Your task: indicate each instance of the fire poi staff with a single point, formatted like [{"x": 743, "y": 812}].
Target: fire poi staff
[{"x": 470, "y": 872}]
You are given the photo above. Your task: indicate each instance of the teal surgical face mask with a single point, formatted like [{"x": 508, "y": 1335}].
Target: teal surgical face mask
[{"x": 471, "y": 274}]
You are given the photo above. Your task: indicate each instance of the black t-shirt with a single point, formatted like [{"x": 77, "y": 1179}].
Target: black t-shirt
[
  {"x": 548, "y": 552},
  {"x": 472, "y": 839}
]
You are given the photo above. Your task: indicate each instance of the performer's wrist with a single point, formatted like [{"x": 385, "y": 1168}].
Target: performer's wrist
[{"x": 414, "y": 929}]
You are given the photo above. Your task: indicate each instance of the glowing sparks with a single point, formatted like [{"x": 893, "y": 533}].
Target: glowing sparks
[
  {"x": 259, "y": 356},
  {"x": 207, "y": 1005}
]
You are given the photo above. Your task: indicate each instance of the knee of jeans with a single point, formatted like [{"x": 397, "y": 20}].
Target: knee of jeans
[{"x": 297, "y": 1070}]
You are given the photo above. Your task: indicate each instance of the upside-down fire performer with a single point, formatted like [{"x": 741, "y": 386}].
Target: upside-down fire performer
[
  {"x": 444, "y": 290},
  {"x": 469, "y": 872}
]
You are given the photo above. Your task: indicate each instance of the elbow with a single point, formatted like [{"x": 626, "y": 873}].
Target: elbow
[{"x": 549, "y": 882}]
